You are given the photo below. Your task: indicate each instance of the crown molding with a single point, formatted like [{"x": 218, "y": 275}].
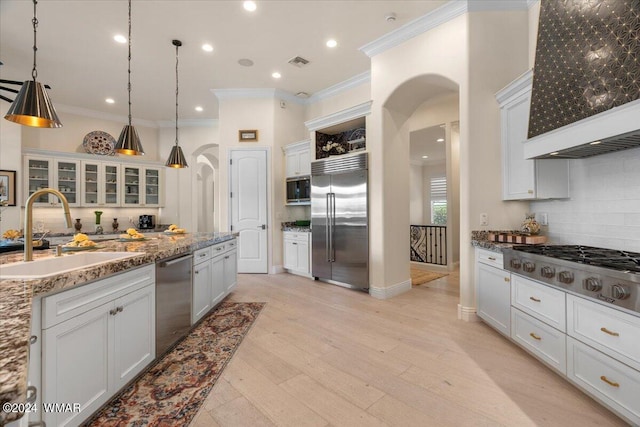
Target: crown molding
[
  {"x": 338, "y": 88},
  {"x": 437, "y": 17},
  {"x": 187, "y": 123},
  {"x": 257, "y": 93},
  {"x": 530, "y": 3},
  {"x": 85, "y": 112},
  {"x": 521, "y": 84},
  {"x": 354, "y": 112}
]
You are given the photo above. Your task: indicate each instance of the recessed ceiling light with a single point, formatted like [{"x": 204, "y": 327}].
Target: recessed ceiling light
[
  {"x": 110, "y": 101},
  {"x": 425, "y": 157},
  {"x": 249, "y": 6},
  {"x": 440, "y": 140},
  {"x": 332, "y": 43},
  {"x": 199, "y": 109},
  {"x": 555, "y": 153},
  {"x": 207, "y": 47},
  {"x": 245, "y": 62},
  {"x": 595, "y": 143},
  {"x": 276, "y": 75},
  {"x": 120, "y": 38}
]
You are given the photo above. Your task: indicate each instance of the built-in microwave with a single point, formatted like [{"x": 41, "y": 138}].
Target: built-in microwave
[{"x": 299, "y": 190}]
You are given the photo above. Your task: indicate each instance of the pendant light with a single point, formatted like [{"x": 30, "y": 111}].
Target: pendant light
[
  {"x": 32, "y": 106},
  {"x": 129, "y": 141},
  {"x": 176, "y": 157}
]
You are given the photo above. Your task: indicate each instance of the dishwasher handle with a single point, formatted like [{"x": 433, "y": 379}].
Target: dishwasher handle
[{"x": 163, "y": 263}]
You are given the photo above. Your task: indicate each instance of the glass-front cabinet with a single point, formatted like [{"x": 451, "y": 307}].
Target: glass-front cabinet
[
  {"x": 151, "y": 187},
  {"x": 132, "y": 177},
  {"x": 101, "y": 184},
  {"x": 43, "y": 172},
  {"x": 39, "y": 173},
  {"x": 67, "y": 181}
]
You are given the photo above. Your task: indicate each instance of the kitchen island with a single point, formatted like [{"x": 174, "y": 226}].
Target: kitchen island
[{"x": 17, "y": 295}]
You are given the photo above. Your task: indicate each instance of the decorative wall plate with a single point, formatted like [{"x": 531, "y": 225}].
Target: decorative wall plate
[{"x": 99, "y": 142}]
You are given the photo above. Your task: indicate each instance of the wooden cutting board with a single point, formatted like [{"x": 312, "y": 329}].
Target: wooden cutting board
[{"x": 517, "y": 238}]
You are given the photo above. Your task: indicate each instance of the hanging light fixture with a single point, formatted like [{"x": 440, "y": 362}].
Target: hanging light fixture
[
  {"x": 129, "y": 141},
  {"x": 176, "y": 157},
  {"x": 32, "y": 106}
]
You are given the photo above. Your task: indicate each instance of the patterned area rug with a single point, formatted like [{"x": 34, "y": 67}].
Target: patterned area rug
[
  {"x": 172, "y": 390},
  {"x": 420, "y": 277}
]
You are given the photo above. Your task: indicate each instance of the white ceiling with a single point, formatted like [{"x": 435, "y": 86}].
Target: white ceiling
[
  {"x": 424, "y": 142},
  {"x": 78, "y": 57}
]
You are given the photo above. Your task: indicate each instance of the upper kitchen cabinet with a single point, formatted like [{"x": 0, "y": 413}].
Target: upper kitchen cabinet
[
  {"x": 297, "y": 159},
  {"x": 47, "y": 172},
  {"x": 524, "y": 179},
  {"x": 142, "y": 185},
  {"x": 101, "y": 184}
]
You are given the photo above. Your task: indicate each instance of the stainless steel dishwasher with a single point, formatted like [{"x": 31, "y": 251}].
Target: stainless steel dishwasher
[{"x": 173, "y": 300}]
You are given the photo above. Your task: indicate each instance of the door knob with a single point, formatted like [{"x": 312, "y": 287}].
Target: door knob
[{"x": 263, "y": 226}]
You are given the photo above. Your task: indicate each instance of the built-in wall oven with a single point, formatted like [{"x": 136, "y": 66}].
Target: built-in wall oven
[{"x": 299, "y": 190}]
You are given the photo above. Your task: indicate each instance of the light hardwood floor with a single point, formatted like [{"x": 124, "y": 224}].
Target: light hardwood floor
[{"x": 322, "y": 355}]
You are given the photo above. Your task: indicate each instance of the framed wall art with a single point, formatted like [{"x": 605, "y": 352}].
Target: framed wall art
[
  {"x": 8, "y": 187},
  {"x": 248, "y": 135}
]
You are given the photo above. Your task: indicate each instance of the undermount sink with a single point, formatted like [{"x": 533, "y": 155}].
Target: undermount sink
[{"x": 46, "y": 267}]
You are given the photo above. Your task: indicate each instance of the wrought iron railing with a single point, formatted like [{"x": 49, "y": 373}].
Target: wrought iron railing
[{"x": 429, "y": 244}]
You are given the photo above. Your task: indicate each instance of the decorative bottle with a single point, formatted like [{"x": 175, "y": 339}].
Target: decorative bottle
[
  {"x": 98, "y": 226},
  {"x": 115, "y": 224},
  {"x": 77, "y": 225}
]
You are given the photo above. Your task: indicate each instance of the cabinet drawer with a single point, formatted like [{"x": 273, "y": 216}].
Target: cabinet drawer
[
  {"x": 489, "y": 257},
  {"x": 608, "y": 330},
  {"x": 613, "y": 383},
  {"x": 296, "y": 235},
  {"x": 65, "y": 305},
  {"x": 202, "y": 255},
  {"x": 540, "y": 301},
  {"x": 545, "y": 342},
  {"x": 231, "y": 244},
  {"x": 218, "y": 249}
]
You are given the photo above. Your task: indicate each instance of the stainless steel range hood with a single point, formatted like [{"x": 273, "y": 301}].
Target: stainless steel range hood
[{"x": 586, "y": 85}]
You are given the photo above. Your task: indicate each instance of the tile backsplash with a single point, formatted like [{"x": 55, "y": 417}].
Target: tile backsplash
[{"x": 604, "y": 208}]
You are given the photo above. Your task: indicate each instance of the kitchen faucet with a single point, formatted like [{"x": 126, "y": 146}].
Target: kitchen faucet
[{"x": 28, "y": 218}]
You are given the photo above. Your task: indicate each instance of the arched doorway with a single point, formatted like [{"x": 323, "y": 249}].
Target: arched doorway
[{"x": 206, "y": 194}]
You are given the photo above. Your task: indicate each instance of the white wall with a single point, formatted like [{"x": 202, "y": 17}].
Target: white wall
[
  {"x": 10, "y": 159},
  {"x": 604, "y": 209},
  {"x": 416, "y": 194},
  {"x": 341, "y": 101}
]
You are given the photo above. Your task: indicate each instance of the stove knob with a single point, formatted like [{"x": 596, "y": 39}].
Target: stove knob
[
  {"x": 592, "y": 284},
  {"x": 515, "y": 263},
  {"x": 529, "y": 267},
  {"x": 548, "y": 272},
  {"x": 565, "y": 277},
  {"x": 619, "y": 292}
]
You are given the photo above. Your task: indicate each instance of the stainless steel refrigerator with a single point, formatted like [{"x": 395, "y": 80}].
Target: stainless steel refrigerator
[{"x": 339, "y": 221}]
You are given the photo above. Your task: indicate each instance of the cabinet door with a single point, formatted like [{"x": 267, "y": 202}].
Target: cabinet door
[
  {"x": 290, "y": 255},
  {"x": 110, "y": 184},
  {"x": 202, "y": 284},
  {"x": 494, "y": 297},
  {"x": 303, "y": 257},
  {"x": 230, "y": 270},
  {"x": 39, "y": 171},
  {"x": 133, "y": 335},
  {"x": 76, "y": 365},
  {"x": 218, "y": 289},
  {"x": 304, "y": 162},
  {"x": 131, "y": 180},
  {"x": 91, "y": 180},
  {"x": 291, "y": 164},
  {"x": 151, "y": 187},
  {"x": 67, "y": 180}
]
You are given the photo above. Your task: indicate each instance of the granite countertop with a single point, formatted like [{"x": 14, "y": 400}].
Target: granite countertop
[
  {"x": 16, "y": 296},
  {"x": 293, "y": 226},
  {"x": 480, "y": 239}
]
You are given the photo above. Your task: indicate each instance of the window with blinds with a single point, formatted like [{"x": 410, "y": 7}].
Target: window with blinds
[{"x": 439, "y": 200}]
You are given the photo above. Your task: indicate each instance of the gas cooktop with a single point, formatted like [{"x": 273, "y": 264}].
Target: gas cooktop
[{"x": 607, "y": 275}]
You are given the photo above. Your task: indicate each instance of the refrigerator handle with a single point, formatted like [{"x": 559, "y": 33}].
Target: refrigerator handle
[
  {"x": 328, "y": 227},
  {"x": 333, "y": 226}
]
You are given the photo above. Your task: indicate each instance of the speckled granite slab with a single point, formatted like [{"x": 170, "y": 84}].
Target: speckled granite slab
[
  {"x": 291, "y": 226},
  {"x": 16, "y": 296},
  {"x": 479, "y": 238}
]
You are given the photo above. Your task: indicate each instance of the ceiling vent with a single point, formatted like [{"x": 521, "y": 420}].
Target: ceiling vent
[
  {"x": 303, "y": 95},
  {"x": 298, "y": 61}
]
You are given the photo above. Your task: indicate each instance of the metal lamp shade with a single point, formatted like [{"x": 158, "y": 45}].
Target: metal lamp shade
[
  {"x": 176, "y": 158},
  {"x": 129, "y": 142},
  {"x": 33, "y": 107}
]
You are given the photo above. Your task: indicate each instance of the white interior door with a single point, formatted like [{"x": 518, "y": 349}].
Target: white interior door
[{"x": 249, "y": 208}]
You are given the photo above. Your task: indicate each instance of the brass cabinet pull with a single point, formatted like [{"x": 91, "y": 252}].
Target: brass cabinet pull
[
  {"x": 606, "y": 331},
  {"x": 492, "y": 258},
  {"x": 506, "y": 279},
  {"x": 535, "y": 337},
  {"x": 608, "y": 381},
  {"x": 530, "y": 191},
  {"x": 534, "y": 299}
]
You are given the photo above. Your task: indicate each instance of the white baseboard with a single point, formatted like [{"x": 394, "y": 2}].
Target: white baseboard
[
  {"x": 434, "y": 267},
  {"x": 468, "y": 314},
  {"x": 391, "y": 291},
  {"x": 277, "y": 269}
]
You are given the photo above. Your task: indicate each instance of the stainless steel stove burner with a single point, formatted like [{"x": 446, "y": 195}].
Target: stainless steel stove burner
[{"x": 607, "y": 275}]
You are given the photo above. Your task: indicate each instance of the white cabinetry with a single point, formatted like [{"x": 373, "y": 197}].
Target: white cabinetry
[
  {"x": 101, "y": 184},
  {"x": 493, "y": 290},
  {"x": 142, "y": 186},
  {"x": 96, "y": 338},
  {"x": 298, "y": 159},
  {"x": 526, "y": 179},
  {"x": 47, "y": 172},
  {"x": 296, "y": 252},
  {"x": 215, "y": 274}
]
